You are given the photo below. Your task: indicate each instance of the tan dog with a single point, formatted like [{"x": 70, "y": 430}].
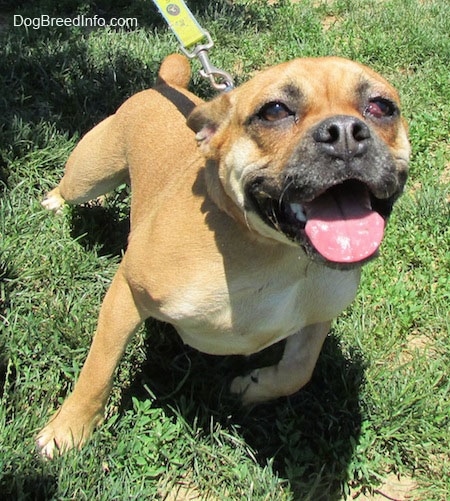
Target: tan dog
[{"x": 248, "y": 225}]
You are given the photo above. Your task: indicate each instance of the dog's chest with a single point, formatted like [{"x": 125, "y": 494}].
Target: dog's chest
[{"x": 246, "y": 314}]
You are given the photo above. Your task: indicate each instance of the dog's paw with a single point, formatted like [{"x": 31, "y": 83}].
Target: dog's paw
[
  {"x": 68, "y": 429},
  {"x": 54, "y": 440},
  {"x": 248, "y": 388},
  {"x": 53, "y": 201},
  {"x": 46, "y": 443}
]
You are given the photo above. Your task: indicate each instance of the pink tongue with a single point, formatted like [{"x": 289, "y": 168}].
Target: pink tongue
[{"x": 342, "y": 228}]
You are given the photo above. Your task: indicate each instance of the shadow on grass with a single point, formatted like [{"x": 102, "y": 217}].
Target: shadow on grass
[
  {"x": 105, "y": 227},
  {"x": 310, "y": 436},
  {"x": 51, "y": 75},
  {"x": 33, "y": 487},
  {"x": 54, "y": 75},
  {"x": 7, "y": 274}
]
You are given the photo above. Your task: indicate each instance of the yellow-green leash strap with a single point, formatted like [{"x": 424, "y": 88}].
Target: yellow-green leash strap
[
  {"x": 181, "y": 21},
  {"x": 189, "y": 33}
]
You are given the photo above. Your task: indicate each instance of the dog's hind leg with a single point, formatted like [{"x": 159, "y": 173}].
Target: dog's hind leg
[
  {"x": 292, "y": 372},
  {"x": 84, "y": 409},
  {"x": 96, "y": 166}
]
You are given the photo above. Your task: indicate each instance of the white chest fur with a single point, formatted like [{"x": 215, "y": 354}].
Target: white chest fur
[{"x": 243, "y": 314}]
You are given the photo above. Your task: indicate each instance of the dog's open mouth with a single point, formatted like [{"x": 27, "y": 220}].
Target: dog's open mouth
[{"x": 345, "y": 224}]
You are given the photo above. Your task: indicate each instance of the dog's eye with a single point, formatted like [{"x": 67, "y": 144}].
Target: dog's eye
[
  {"x": 274, "y": 111},
  {"x": 380, "y": 107}
]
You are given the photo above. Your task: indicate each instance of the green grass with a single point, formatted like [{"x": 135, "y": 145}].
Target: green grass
[{"x": 379, "y": 400}]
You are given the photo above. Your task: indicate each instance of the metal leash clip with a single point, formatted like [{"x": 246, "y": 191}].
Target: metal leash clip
[{"x": 219, "y": 79}]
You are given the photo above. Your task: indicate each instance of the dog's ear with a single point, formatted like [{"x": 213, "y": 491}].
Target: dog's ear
[{"x": 207, "y": 118}]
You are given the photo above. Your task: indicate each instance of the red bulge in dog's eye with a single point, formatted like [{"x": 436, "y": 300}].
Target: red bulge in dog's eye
[{"x": 380, "y": 108}]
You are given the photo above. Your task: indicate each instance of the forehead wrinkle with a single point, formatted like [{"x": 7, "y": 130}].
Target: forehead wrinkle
[
  {"x": 367, "y": 88},
  {"x": 291, "y": 91},
  {"x": 362, "y": 86}
]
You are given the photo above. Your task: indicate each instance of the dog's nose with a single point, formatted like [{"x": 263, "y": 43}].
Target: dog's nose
[{"x": 342, "y": 136}]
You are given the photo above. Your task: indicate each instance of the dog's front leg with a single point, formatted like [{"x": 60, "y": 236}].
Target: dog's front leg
[
  {"x": 84, "y": 409},
  {"x": 291, "y": 373}
]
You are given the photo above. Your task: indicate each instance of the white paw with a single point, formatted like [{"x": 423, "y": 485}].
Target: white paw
[
  {"x": 248, "y": 389},
  {"x": 46, "y": 444},
  {"x": 71, "y": 427},
  {"x": 53, "y": 201}
]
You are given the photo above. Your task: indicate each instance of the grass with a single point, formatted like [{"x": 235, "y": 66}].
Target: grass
[{"x": 378, "y": 405}]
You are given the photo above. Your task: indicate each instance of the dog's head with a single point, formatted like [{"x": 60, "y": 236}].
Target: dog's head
[{"x": 312, "y": 152}]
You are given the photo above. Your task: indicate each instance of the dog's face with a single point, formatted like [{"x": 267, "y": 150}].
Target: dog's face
[{"x": 312, "y": 152}]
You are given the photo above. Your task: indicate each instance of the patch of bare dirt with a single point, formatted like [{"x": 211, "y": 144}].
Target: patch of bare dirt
[
  {"x": 416, "y": 344},
  {"x": 185, "y": 489},
  {"x": 394, "y": 488},
  {"x": 329, "y": 21},
  {"x": 445, "y": 176}
]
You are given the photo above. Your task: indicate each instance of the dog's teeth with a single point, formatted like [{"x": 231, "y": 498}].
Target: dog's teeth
[{"x": 299, "y": 212}]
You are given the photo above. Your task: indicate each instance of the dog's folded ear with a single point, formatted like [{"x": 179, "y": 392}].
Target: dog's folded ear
[{"x": 207, "y": 118}]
